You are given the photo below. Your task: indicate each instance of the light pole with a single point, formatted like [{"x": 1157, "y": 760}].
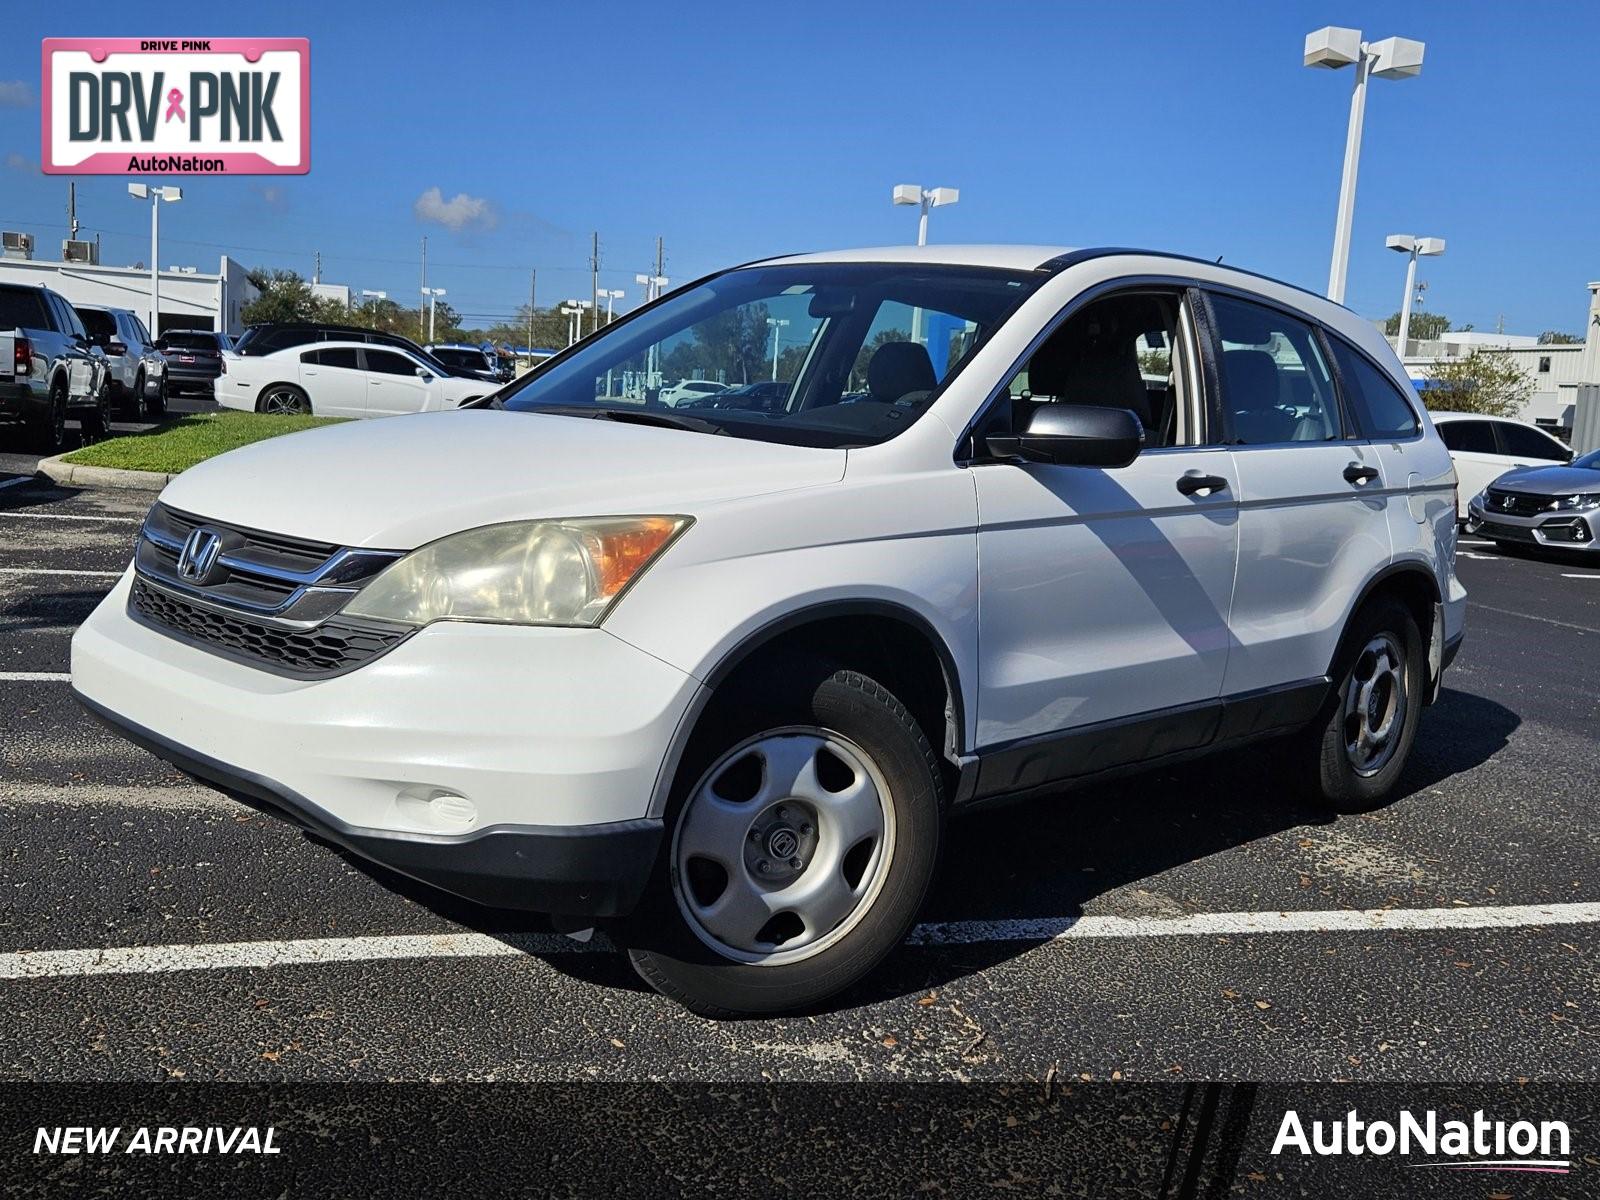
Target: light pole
[
  {"x": 653, "y": 287},
  {"x": 610, "y": 298},
  {"x": 776, "y": 324},
  {"x": 1393, "y": 58},
  {"x": 1412, "y": 248},
  {"x": 574, "y": 310},
  {"x": 367, "y": 297},
  {"x": 924, "y": 198},
  {"x": 141, "y": 191},
  {"x": 431, "y": 295}
]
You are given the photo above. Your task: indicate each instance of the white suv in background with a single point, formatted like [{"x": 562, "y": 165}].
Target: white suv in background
[
  {"x": 342, "y": 379},
  {"x": 717, "y": 677},
  {"x": 1485, "y": 448}
]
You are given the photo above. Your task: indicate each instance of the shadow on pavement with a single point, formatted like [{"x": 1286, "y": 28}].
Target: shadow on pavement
[{"x": 1048, "y": 857}]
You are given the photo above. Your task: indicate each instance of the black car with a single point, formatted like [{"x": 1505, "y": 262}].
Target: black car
[
  {"x": 194, "y": 358},
  {"x": 764, "y": 397},
  {"x": 268, "y": 339}
]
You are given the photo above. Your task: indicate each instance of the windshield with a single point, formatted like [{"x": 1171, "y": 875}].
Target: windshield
[{"x": 850, "y": 353}]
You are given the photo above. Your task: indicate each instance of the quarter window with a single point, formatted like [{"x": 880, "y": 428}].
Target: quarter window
[
  {"x": 1379, "y": 407},
  {"x": 1276, "y": 385}
]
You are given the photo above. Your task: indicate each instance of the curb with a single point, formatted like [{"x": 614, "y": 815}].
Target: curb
[{"x": 57, "y": 471}]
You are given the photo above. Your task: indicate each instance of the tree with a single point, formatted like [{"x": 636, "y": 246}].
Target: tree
[
  {"x": 1485, "y": 382},
  {"x": 1555, "y": 337},
  {"x": 1425, "y": 326}
]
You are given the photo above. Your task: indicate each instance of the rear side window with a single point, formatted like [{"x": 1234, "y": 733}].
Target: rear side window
[
  {"x": 333, "y": 356},
  {"x": 22, "y": 309},
  {"x": 101, "y": 325},
  {"x": 1276, "y": 385},
  {"x": 1522, "y": 442},
  {"x": 1472, "y": 437},
  {"x": 1379, "y": 407}
]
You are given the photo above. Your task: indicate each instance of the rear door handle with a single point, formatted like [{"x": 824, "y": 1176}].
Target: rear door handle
[
  {"x": 1356, "y": 473},
  {"x": 1191, "y": 482}
]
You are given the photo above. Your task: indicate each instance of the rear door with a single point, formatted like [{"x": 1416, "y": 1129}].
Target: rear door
[
  {"x": 83, "y": 369},
  {"x": 1476, "y": 454},
  {"x": 332, "y": 377},
  {"x": 1528, "y": 447},
  {"x": 1313, "y": 521},
  {"x": 393, "y": 385}
]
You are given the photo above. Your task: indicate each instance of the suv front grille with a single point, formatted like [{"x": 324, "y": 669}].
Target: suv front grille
[
  {"x": 1518, "y": 504},
  {"x": 331, "y": 648},
  {"x": 262, "y": 598}
]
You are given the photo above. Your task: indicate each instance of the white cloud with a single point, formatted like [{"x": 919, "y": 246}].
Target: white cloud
[
  {"x": 16, "y": 162},
  {"x": 15, "y": 93},
  {"x": 460, "y": 212},
  {"x": 273, "y": 196}
]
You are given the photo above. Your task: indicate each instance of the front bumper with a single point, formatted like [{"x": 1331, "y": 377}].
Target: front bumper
[
  {"x": 517, "y": 767},
  {"x": 1555, "y": 530}
]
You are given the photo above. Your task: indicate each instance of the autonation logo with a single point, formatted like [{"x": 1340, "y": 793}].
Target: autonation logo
[{"x": 1481, "y": 1144}]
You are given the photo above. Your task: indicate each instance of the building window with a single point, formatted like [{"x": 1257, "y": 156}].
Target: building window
[{"x": 1544, "y": 364}]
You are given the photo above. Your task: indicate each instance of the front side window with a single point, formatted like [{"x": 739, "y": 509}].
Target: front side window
[
  {"x": 1521, "y": 442},
  {"x": 1121, "y": 351},
  {"x": 387, "y": 362},
  {"x": 1275, "y": 383},
  {"x": 1379, "y": 407},
  {"x": 862, "y": 349}
]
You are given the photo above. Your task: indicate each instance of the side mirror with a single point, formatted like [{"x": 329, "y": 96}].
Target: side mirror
[
  {"x": 1073, "y": 435},
  {"x": 422, "y": 374},
  {"x": 116, "y": 348}
]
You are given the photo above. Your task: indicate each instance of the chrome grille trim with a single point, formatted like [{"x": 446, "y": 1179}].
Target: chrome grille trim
[{"x": 268, "y": 600}]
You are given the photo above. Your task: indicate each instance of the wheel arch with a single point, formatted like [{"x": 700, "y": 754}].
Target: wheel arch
[
  {"x": 292, "y": 385},
  {"x": 1410, "y": 581},
  {"x": 877, "y": 635}
]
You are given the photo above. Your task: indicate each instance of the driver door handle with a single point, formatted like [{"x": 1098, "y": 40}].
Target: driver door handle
[
  {"x": 1191, "y": 482},
  {"x": 1356, "y": 473}
]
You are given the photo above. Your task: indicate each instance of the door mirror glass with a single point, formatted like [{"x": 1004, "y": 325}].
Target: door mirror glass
[
  {"x": 1073, "y": 435},
  {"x": 116, "y": 348},
  {"x": 424, "y": 374}
]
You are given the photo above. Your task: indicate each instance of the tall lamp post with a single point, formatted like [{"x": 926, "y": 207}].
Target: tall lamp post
[
  {"x": 431, "y": 295},
  {"x": 653, "y": 287},
  {"x": 924, "y": 198},
  {"x": 610, "y": 298},
  {"x": 1332, "y": 47},
  {"x": 141, "y": 191},
  {"x": 574, "y": 310},
  {"x": 776, "y": 324},
  {"x": 1412, "y": 248},
  {"x": 368, "y": 296}
]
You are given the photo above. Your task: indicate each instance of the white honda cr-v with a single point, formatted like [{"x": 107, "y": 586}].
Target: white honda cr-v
[{"x": 716, "y": 677}]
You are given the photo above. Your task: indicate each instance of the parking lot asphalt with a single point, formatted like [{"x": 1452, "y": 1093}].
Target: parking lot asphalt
[{"x": 1202, "y": 922}]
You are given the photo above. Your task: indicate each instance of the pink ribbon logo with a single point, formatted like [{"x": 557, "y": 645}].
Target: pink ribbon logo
[{"x": 175, "y": 105}]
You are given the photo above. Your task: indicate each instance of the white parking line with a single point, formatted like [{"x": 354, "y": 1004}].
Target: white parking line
[
  {"x": 1511, "y": 612},
  {"x": 39, "y": 516},
  {"x": 150, "y": 960},
  {"x": 57, "y": 571},
  {"x": 1565, "y": 575},
  {"x": 36, "y": 676}
]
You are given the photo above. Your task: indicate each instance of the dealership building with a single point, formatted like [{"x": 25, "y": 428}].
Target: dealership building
[{"x": 190, "y": 298}]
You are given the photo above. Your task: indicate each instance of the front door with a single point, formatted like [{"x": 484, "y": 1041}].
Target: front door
[
  {"x": 1104, "y": 593},
  {"x": 393, "y": 385}
]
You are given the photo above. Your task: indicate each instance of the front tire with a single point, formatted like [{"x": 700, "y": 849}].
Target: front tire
[
  {"x": 136, "y": 407},
  {"x": 1358, "y": 750},
  {"x": 803, "y": 834},
  {"x": 157, "y": 405}
]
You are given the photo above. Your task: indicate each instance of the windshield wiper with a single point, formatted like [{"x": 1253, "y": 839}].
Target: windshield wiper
[{"x": 633, "y": 416}]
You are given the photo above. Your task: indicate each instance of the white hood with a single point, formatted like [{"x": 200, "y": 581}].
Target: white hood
[{"x": 399, "y": 482}]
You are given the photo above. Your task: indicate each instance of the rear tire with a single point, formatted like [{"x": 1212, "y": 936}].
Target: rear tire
[
  {"x": 802, "y": 836},
  {"x": 1358, "y": 748},
  {"x": 48, "y": 433},
  {"x": 281, "y": 399}
]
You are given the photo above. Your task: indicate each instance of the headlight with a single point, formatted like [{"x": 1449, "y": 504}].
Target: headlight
[
  {"x": 1579, "y": 503},
  {"x": 521, "y": 573}
]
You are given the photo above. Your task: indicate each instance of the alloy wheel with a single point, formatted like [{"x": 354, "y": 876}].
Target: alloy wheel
[{"x": 1375, "y": 703}]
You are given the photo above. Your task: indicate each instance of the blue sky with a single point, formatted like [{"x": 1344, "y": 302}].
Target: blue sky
[{"x": 738, "y": 130}]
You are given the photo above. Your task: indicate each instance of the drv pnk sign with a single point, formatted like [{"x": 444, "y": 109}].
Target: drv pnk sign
[{"x": 176, "y": 106}]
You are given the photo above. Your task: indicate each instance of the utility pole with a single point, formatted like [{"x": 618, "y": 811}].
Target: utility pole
[
  {"x": 661, "y": 258},
  {"x": 316, "y": 270},
  {"x": 72, "y": 211},
  {"x": 422, "y": 306},
  {"x": 594, "y": 278},
  {"x": 533, "y": 290}
]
